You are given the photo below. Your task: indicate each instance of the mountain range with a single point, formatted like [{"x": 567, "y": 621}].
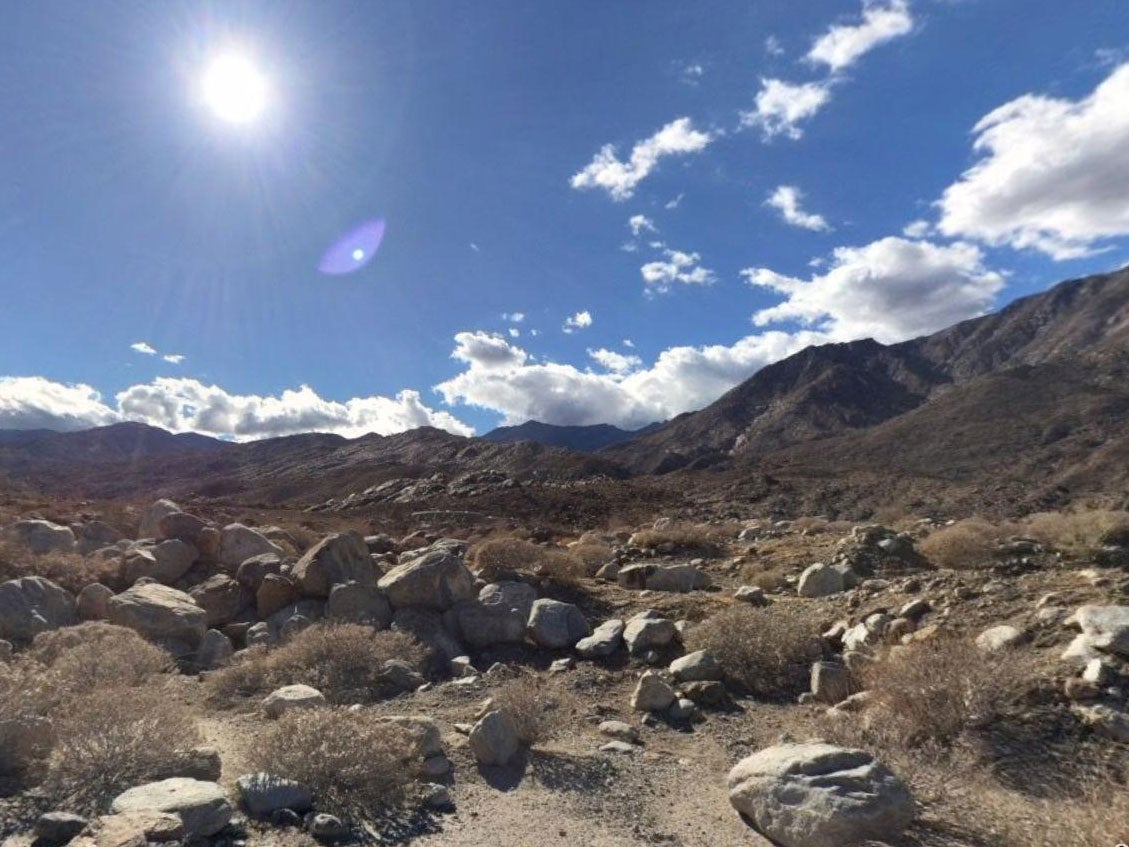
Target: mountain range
[{"x": 1019, "y": 410}]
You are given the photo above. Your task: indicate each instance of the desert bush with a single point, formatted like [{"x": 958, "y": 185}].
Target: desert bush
[
  {"x": 111, "y": 739},
  {"x": 1078, "y": 532},
  {"x": 529, "y": 703},
  {"x": 500, "y": 556},
  {"x": 767, "y": 651},
  {"x": 964, "y": 545},
  {"x": 1100, "y": 816},
  {"x": 97, "y": 655},
  {"x": 931, "y": 692},
  {"x": 355, "y": 763},
  {"x": 767, "y": 577},
  {"x": 343, "y": 661},
  {"x": 592, "y": 556},
  {"x": 685, "y": 538},
  {"x": 24, "y": 704},
  {"x": 70, "y": 570}
]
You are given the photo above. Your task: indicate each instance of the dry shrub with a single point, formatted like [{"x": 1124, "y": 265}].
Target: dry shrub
[
  {"x": 964, "y": 545},
  {"x": 592, "y": 556},
  {"x": 1100, "y": 817},
  {"x": 97, "y": 655},
  {"x": 1078, "y": 532},
  {"x": 530, "y": 704},
  {"x": 766, "y": 577},
  {"x": 24, "y": 704},
  {"x": 343, "y": 661},
  {"x": 113, "y": 739},
  {"x": 766, "y": 651},
  {"x": 355, "y": 763},
  {"x": 498, "y": 557},
  {"x": 685, "y": 538},
  {"x": 70, "y": 570},
  {"x": 931, "y": 692}
]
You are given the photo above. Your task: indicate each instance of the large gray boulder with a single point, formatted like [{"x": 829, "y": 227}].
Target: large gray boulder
[
  {"x": 352, "y": 602},
  {"x": 335, "y": 560},
  {"x": 159, "y": 613},
  {"x": 652, "y": 693},
  {"x": 428, "y": 627},
  {"x": 180, "y": 526},
  {"x": 604, "y": 640},
  {"x": 151, "y": 518},
  {"x": 1105, "y": 629},
  {"x": 289, "y": 697},
  {"x": 40, "y": 536},
  {"x": 238, "y": 543},
  {"x": 94, "y": 602},
  {"x": 698, "y": 666},
  {"x": 494, "y": 739},
  {"x": 679, "y": 578},
  {"x": 648, "y": 631},
  {"x": 819, "y": 795},
  {"x": 820, "y": 580},
  {"x": 438, "y": 580},
  {"x": 215, "y": 650},
  {"x": 555, "y": 625},
  {"x": 201, "y": 806},
  {"x": 31, "y": 605},
  {"x": 264, "y": 793},
  {"x": 498, "y": 616},
  {"x": 172, "y": 559},
  {"x": 221, "y": 597},
  {"x": 94, "y": 535}
]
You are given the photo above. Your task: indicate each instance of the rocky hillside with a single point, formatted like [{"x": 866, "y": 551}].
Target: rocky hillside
[{"x": 583, "y": 439}]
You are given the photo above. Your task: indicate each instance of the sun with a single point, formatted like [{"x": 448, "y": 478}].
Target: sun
[{"x": 234, "y": 88}]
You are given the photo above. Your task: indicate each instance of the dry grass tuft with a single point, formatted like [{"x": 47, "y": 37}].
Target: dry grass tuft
[
  {"x": 1078, "y": 532},
  {"x": 70, "y": 570},
  {"x": 591, "y": 556},
  {"x": 965, "y": 545},
  {"x": 685, "y": 539},
  {"x": 498, "y": 557},
  {"x": 97, "y": 655},
  {"x": 355, "y": 763},
  {"x": 766, "y": 651},
  {"x": 343, "y": 661},
  {"x": 530, "y": 704}
]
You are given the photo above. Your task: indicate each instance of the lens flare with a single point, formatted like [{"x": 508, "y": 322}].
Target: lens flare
[{"x": 354, "y": 250}]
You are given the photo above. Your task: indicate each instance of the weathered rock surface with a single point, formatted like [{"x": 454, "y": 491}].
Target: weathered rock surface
[
  {"x": 353, "y": 602},
  {"x": 238, "y": 543},
  {"x": 555, "y": 625},
  {"x": 335, "y": 560},
  {"x": 437, "y": 580},
  {"x": 201, "y": 806},
  {"x": 30, "y": 605},
  {"x": 494, "y": 739},
  {"x": 604, "y": 640},
  {"x": 159, "y": 613},
  {"x": 264, "y": 793},
  {"x": 282, "y": 700}
]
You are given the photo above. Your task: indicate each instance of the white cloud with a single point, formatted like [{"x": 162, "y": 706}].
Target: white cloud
[
  {"x": 514, "y": 332},
  {"x": 844, "y": 44},
  {"x": 640, "y": 224},
  {"x": 675, "y": 202},
  {"x": 917, "y": 229},
  {"x": 619, "y": 178},
  {"x": 173, "y": 358},
  {"x": 680, "y": 380},
  {"x": 677, "y": 267},
  {"x": 143, "y": 347},
  {"x": 183, "y": 405},
  {"x": 487, "y": 350},
  {"x": 474, "y": 247},
  {"x": 513, "y": 317},
  {"x": 1054, "y": 174},
  {"x": 782, "y": 106},
  {"x": 693, "y": 73},
  {"x": 627, "y": 342},
  {"x": 616, "y": 362},
  {"x": 786, "y": 200},
  {"x": 773, "y": 47},
  {"x": 890, "y": 290},
  {"x": 581, "y": 320}
]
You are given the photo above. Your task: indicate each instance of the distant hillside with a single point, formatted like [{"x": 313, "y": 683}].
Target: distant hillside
[{"x": 583, "y": 439}]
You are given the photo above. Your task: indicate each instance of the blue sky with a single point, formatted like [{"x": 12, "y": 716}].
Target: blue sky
[{"x": 670, "y": 195}]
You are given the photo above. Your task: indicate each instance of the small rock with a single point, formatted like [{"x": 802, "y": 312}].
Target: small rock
[
  {"x": 289, "y": 697},
  {"x": 56, "y": 828},
  {"x": 263, "y": 794},
  {"x": 652, "y": 693},
  {"x": 494, "y": 739}
]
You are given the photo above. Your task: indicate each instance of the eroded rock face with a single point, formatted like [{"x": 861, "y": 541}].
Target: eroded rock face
[
  {"x": 819, "y": 795},
  {"x": 436, "y": 580},
  {"x": 238, "y": 543},
  {"x": 494, "y": 738},
  {"x": 353, "y": 602},
  {"x": 604, "y": 640},
  {"x": 335, "y": 560},
  {"x": 820, "y": 580},
  {"x": 31, "y": 605},
  {"x": 159, "y": 613},
  {"x": 201, "y": 806},
  {"x": 556, "y": 625},
  {"x": 40, "y": 536}
]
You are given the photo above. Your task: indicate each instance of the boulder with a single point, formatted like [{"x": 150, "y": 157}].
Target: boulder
[
  {"x": 998, "y": 638},
  {"x": 422, "y": 732},
  {"x": 180, "y": 526},
  {"x": 151, "y": 518},
  {"x": 830, "y": 682},
  {"x": 40, "y": 536},
  {"x": 221, "y": 597},
  {"x": 820, "y": 580},
  {"x": 652, "y": 693},
  {"x": 215, "y": 650},
  {"x": 494, "y": 739},
  {"x": 819, "y": 795},
  {"x": 647, "y": 631},
  {"x": 57, "y": 828},
  {"x": 1105, "y": 629},
  {"x": 604, "y": 640},
  {"x": 698, "y": 666},
  {"x": 752, "y": 594},
  {"x": 30, "y": 605},
  {"x": 159, "y": 613},
  {"x": 335, "y": 560},
  {"x": 201, "y": 806},
  {"x": 173, "y": 558},
  {"x": 353, "y": 602},
  {"x": 427, "y": 626},
  {"x": 94, "y": 602},
  {"x": 282, "y": 700},
  {"x": 262, "y": 794},
  {"x": 275, "y": 593},
  {"x": 679, "y": 578},
  {"x": 555, "y": 625},
  {"x": 619, "y": 731},
  {"x": 94, "y": 535},
  {"x": 498, "y": 616},
  {"x": 238, "y": 543},
  {"x": 251, "y": 572},
  {"x": 436, "y": 580}
]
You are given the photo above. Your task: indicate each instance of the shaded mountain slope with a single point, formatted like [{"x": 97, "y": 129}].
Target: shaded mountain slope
[{"x": 583, "y": 439}]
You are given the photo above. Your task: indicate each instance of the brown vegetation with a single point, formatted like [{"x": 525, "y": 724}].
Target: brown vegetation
[
  {"x": 498, "y": 557},
  {"x": 70, "y": 570},
  {"x": 529, "y": 704},
  {"x": 965, "y": 545}
]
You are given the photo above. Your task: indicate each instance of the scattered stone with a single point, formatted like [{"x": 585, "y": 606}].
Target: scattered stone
[
  {"x": 40, "y": 536},
  {"x": 31, "y": 605},
  {"x": 752, "y": 594},
  {"x": 820, "y": 580},
  {"x": 682, "y": 709},
  {"x": 562, "y": 665},
  {"x": 555, "y": 625},
  {"x": 620, "y": 747},
  {"x": 647, "y": 631},
  {"x": 819, "y": 795},
  {"x": 708, "y": 695},
  {"x": 437, "y": 798},
  {"x": 620, "y": 731},
  {"x": 263, "y": 794},
  {"x": 159, "y": 613},
  {"x": 326, "y": 827},
  {"x": 57, "y": 828},
  {"x": 695, "y": 667},
  {"x": 202, "y": 763},
  {"x": 830, "y": 682},
  {"x": 652, "y": 693},
  {"x": 673, "y": 578},
  {"x": 289, "y": 697},
  {"x": 201, "y": 806},
  {"x": 604, "y": 640},
  {"x": 915, "y": 610},
  {"x": 494, "y": 739},
  {"x": 1105, "y": 629},
  {"x": 999, "y": 638}
]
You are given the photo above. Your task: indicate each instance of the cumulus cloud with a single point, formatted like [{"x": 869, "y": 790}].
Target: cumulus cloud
[
  {"x": 890, "y": 290},
  {"x": 183, "y": 405},
  {"x": 619, "y": 178},
  {"x": 781, "y": 107},
  {"x": 173, "y": 358},
  {"x": 487, "y": 350},
  {"x": 786, "y": 200},
  {"x": 579, "y": 321},
  {"x": 143, "y": 347},
  {"x": 514, "y": 332},
  {"x": 917, "y": 229},
  {"x": 677, "y": 267},
  {"x": 1054, "y": 174},
  {"x": 640, "y": 224},
  {"x": 616, "y": 362},
  {"x": 844, "y": 44},
  {"x": 680, "y": 380}
]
